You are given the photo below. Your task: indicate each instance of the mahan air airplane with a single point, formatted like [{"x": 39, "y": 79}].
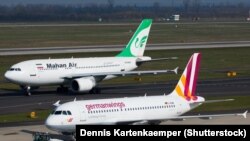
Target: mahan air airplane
[{"x": 83, "y": 74}]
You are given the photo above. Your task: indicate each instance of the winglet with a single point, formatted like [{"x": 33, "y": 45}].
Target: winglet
[
  {"x": 57, "y": 103},
  {"x": 245, "y": 114},
  {"x": 176, "y": 70}
]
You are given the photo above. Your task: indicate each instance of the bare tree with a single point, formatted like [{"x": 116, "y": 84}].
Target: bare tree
[
  {"x": 196, "y": 5},
  {"x": 110, "y": 3},
  {"x": 186, "y": 4}
]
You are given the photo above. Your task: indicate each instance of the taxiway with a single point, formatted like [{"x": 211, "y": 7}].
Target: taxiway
[
  {"x": 14, "y": 101},
  {"x": 109, "y": 48}
]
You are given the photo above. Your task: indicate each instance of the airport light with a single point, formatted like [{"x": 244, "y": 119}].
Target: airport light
[{"x": 33, "y": 115}]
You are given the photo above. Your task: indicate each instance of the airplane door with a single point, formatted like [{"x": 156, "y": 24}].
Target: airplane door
[
  {"x": 33, "y": 73},
  {"x": 83, "y": 116}
]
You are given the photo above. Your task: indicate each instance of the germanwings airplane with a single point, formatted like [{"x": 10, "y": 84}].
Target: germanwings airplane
[
  {"x": 83, "y": 74},
  {"x": 135, "y": 110}
]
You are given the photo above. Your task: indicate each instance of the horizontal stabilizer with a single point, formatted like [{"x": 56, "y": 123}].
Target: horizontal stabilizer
[
  {"x": 157, "y": 59},
  {"x": 214, "y": 101}
]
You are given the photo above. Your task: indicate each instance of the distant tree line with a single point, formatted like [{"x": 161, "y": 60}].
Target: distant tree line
[{"x": 109, "y": 12}]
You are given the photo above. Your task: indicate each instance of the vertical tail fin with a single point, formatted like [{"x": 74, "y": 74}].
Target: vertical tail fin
[
  {"x": 186, "y": 87},
  {"x": 136, "y": 45}
]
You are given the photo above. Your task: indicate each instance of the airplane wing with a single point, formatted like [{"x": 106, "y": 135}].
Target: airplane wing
[
  {"x": 213, "y": 115},
  {"x": 146, "y": 122},
  {"x": 122, "y": 73}
]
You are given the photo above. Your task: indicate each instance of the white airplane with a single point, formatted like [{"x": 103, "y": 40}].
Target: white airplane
[
  {"x": 83, "y": 74},
  {"x": 135, "y": 110}
]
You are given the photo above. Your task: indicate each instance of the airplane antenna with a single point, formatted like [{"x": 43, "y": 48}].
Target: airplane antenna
[
  {"x": 72, "y": 57},
  {"x": 49, "y": 57},
  {"x": 164, "y": 94},
  {"x": 75, "y": 99},
  {"x": 145, "y": 95}
]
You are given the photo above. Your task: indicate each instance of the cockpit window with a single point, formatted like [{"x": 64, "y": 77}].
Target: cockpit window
[
  {"x": 64, "y": 113},
  {"x": 69, "y": 113},
  {"x": 58, "y": 113},
  {"x": 61, "y": 113},
  {"x": 14, "y": 69}
]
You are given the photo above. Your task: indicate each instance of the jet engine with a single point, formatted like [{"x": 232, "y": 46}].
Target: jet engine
[{"x": 83, "y": 84}]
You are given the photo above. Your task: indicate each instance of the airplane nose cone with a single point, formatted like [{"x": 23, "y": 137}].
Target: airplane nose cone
[
  {"x": 7, "y": 76},
  {"x": 49, "y": 123}
]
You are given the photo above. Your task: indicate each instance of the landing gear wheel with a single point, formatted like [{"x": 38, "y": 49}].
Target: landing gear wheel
[
  {"x": 26, "y": 90},
  {"x": 95, "y": 91},
  {"x": 74, "y": 137},
  {"x": 59, "y": 90},
  {"x": 28, "y": 94},
  {"x": 62, "y": 89}
]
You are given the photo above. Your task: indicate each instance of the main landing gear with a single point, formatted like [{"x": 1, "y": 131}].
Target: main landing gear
[
  {"x": 62, "y": 89},
  {"x": 95, "y": 91}
]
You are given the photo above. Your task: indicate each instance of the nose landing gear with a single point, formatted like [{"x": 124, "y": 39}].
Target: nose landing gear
[{"x": 26, "y": 90}]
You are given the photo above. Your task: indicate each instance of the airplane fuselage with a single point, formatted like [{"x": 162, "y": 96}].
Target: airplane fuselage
[
  {"x": 115, "y": 111},
  {"x": 53, "y": 71}
]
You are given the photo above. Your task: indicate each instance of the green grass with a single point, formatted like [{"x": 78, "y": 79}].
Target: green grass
[
  {"x": 240, "y": 103},
  {"x": 21, "y": 117},
  {"x": 48, "y": 36}
]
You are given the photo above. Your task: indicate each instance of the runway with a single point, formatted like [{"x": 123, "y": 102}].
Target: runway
[
  {"x": 109, "y": 48},
  {"x": 15, "y": 102}
]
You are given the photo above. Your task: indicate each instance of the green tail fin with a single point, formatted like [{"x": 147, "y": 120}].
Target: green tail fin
[{"x": 136, "y": 45}]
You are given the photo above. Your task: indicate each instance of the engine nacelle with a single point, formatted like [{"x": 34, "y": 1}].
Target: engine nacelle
[{"x": 83, "y": 84}]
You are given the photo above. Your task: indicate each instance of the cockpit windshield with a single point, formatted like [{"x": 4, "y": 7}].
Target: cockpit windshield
[
  {"x": 61, "y": 113},
  {"x": 14, "y": 69},
  {"x": 58, "y": 113}
]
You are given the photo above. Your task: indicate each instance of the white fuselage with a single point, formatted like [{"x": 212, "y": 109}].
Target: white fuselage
[
  {"x": 53, "y": 71},
  {"x": 117, "y": 110}
]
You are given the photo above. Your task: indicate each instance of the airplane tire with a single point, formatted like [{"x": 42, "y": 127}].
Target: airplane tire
[
  {"x": 65, "y": 89},
  {"x": 59, "y": 90},
  {"x": 95, "y": 91},
  {"x": 62, "y": 90},
  {"x": 28, "y": 94}
]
